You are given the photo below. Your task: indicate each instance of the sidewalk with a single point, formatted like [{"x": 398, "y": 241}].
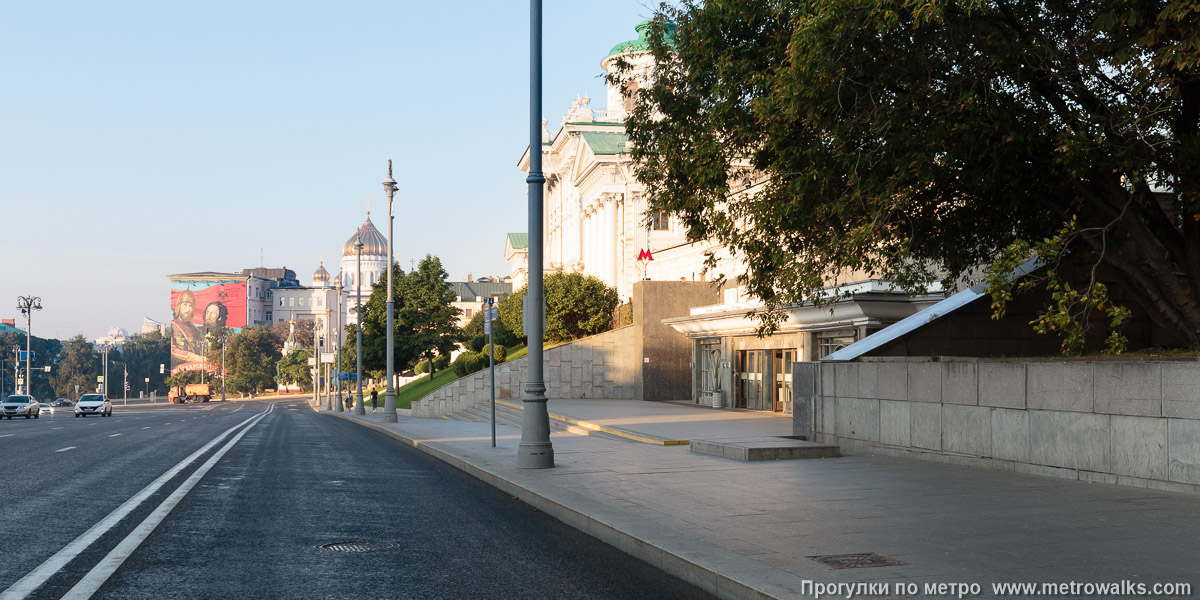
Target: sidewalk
[{"x": 750, "y": 529}]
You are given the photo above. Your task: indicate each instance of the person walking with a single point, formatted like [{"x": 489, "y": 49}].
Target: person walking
[{"x": 374, "y": 400}]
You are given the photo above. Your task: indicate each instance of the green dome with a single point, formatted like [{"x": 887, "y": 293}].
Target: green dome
[{"x": 641, "y": 43}]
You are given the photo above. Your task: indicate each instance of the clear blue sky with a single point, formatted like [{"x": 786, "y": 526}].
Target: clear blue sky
[{"x": 145, "y": 138}]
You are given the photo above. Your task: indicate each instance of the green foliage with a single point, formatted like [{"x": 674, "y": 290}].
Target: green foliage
[
  {"x": 181, "y": 378},
  {"x": 469, "y": 362},
  {"x": 512, "y": 318},
  {"x": 144, "y": 353},
  {"x": 441, "y": 362},
  {"x": 919, "y": 141},
  {"x": 45, "y": 351},
  {"x": 294, "y": 369},
  {"x": 78, "y": 365},
  {"x": 251, "y": 357},
  {"x": 577, "y": 305},
  {"x": 425, "y": 320}
]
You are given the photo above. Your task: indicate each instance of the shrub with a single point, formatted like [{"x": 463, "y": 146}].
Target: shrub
[
  {"x": 469, "y": 362},
  {"x": 441, "y": 362},
  {"x": 478, "y": 343},
  {"x": 422, "y": 367}
]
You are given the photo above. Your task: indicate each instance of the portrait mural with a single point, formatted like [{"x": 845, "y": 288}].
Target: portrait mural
[{"x": 198, "y": 308}]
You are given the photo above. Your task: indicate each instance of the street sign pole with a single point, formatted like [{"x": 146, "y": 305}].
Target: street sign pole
[{"x": 489, "y": 318}]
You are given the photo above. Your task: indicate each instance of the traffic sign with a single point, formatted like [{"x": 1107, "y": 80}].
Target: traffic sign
[
  {"x": 99, "y": 379},
  {"x": 28, "y": 356},
  {"x": 327, "y": 357},
  {"x": 312, "y": 361},
  {"x": 347, "y": 376}
]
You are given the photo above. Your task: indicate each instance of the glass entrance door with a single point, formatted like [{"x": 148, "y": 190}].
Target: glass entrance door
[
  {"x": 783, "y": 380},
  {"x": 752, "y": 367}
]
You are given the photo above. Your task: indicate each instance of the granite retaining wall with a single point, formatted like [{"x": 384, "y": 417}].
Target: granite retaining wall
[{"x": 1126, "y": 421}]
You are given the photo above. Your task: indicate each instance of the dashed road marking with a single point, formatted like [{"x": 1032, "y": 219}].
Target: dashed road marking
[
  {"x": 145, "y": 428},
  {"x": 7, "y": 434},
  {"x": 114, "y": 435},
  {"x": 65, "y": 449}
]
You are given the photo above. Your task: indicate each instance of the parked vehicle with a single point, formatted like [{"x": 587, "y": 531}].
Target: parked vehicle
[
  {"x": 192, "y": 392},
  {"x": 45, "y": 409},
  {"x": 19, "y": 405},
  {"x": 62, "y": 402},
  {"x": 93, "y": 404}
]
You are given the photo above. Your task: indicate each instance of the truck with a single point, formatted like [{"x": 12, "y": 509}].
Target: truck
[{"x": 192, "y": 392}]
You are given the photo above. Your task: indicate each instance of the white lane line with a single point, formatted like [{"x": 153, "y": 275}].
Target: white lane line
[
  {"x": 31, "y": 582},
  {"x": 67, "y": 448},
  {"x": 114, "y": 435},
  {"x": 7, "y": 434},
  {"x": 149, "y": 428},
  {"x": 95, "y": 578}
]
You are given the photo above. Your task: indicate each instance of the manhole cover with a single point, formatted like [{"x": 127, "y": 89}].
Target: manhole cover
[
  {"x": 855, "y": 561},
  {"x": 358, "y": 546}
]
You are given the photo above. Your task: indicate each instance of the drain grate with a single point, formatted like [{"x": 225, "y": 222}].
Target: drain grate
[
  {"x": 358, "y": 546},
  {"x": 855, "y": 561}
]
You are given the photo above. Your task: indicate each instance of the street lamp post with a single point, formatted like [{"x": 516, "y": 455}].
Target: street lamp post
[
  {"x": 337, "y": 347},
  {"x": 28, "y": 304},
  {"x": 535, "y": 450},
  {"x": 224, "y": 339},
  {"x": 389, "y": 396},
  {"x": 104, "y": 368},
  {"x": 359, "y": 409}
]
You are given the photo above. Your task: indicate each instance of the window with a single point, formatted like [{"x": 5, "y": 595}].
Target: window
[
  {"x": 269, "y": 315},
  {"x": 630, "y": 92},
  {"x": 281, "y": 303},
  {"x": 832, "y": 341},
  {"x": 659, "y": 221},
  {"x": 291, "y": 301}
]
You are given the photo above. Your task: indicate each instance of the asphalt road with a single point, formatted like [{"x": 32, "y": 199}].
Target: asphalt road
[{"x": 238, "y": 499}]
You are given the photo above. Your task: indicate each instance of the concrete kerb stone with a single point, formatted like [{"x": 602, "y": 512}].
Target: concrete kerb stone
[{"x": 697, "y": 565}]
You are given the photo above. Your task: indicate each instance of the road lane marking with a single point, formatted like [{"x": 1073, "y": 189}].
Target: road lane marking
[
  {"x": 145, "y": 428},
  {"x": 113, "y": 561},
  {"x": 32, "y": 581},
  {"x": 7, "y": 434},
  {"x": 65, "y": 449},
  {"x": 114, "y": 435}
]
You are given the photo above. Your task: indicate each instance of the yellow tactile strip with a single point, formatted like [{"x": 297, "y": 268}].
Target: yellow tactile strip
[{"x": 637, "y": 437}]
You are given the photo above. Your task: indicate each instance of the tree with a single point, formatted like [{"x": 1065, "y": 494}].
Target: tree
[
  {"x": 304, "y": 333},
  {"x": 251, "y": 356},
  {"x": 144, "y": 353},
  {"x": 77, "y": 368},
  {"x": 921, "y": 141},
  {"x": 375, "y": 326},
  {"x": 45, "y": 352},
  {"x": 577, "y": 305},
  {"x": 426, "y": 308},
  {"x": 294, "y": 369}
]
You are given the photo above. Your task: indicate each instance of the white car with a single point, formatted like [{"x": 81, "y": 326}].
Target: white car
[
  {"x": 45, "y": 409},
  {"x": 93, "y": 404}
]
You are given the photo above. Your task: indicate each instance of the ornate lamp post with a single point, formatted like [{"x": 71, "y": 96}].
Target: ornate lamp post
[
  {"x": 389, "y": 396},
  {"x": 359, "y": 409},
  {"x": 535, "y": 450},
  {"x": 28, "y": 304}
]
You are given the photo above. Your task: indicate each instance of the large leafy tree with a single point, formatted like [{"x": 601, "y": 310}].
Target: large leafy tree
[
  {"x": 577, "y": 305},
  {"x": 45, "y": 352},
  {"x": 77, "y": 368},
  {"x": 426, "y": 309},
  {"x": 144, "y": 353},
  {"x": 294, "y": 369},
  {"x": 250, "y": 360},
  {"x": 919, "y": 140}
]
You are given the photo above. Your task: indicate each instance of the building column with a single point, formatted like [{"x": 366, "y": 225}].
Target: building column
[{"x": 610, "y": 239}]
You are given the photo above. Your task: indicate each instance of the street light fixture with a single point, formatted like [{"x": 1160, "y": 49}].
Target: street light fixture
[
  {"x": 389, "y": 396},
  {"x": 104, "y": 348},
  {"x": 359, "y": 409},
  {"x": 28, "y": 304},
  {"x": 535, "y": 450}
]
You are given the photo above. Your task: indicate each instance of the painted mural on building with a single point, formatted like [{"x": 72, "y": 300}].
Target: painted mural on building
[{"x": 198, "y": 307}]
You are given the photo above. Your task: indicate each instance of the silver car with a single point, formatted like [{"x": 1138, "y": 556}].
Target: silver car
[
  {"x": 16, "y": 406},
  {"x": 93, "y": 404}
]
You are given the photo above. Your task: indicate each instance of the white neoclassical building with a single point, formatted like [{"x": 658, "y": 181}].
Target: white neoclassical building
[{"x": 596, "y": 219}]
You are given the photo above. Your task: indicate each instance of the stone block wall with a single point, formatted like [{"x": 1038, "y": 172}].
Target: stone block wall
[
  {"x": 1125, "y": 421},
  {"x": 603, "y": 366}
]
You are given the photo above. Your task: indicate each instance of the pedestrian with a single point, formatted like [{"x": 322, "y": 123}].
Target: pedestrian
[{"x": 374, "y": 400}]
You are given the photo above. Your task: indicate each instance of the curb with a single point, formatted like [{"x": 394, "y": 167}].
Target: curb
[
  {"x": 683, "y": 565},
  {"x": 636, "y": 437}
]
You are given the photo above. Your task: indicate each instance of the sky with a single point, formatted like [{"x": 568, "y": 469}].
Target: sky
[{"x": 141, "y": 139}]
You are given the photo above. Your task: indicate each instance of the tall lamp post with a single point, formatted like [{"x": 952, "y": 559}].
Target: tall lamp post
[
  {"x": 104, "y": 368},
  {"x": 28, "y": 304},
  {"x": 535, "y": 450},
  {"x": 224, "y": 338},
  {"x": 359, "y": 409},
  {"x": 338, "y": 405},
  {"x": 389, "y": 396}
]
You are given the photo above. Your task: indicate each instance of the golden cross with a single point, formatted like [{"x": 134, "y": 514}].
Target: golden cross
[
  {"x": 322, "y": 257},
  {"x": 368, "y": 203}
]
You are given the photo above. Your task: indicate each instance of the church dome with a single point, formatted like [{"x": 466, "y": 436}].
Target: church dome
[
  {"x": 337, "y": 280},
  {"x": 374, "y": 244},
  {"x": 320, "y": 276}
]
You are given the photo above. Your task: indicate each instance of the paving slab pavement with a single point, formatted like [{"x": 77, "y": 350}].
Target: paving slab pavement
[{"x": 750, "y": 530}]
